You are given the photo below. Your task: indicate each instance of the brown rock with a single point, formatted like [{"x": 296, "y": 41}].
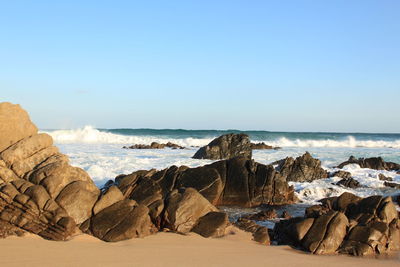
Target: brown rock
[
  {"x": 15, "y": 125},
  {"x": 108, "y": 198},
  {"x": 184, "y": 208},
  {"x": 213, "y": 224}
]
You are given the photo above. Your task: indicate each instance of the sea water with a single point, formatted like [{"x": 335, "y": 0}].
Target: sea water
[{"x": 100, "y": 153}]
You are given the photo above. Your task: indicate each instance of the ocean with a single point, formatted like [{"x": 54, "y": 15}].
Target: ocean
[{"x": 100, "y": 153}]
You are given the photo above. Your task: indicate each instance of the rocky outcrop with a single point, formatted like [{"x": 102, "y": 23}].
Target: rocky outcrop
[
  {"x": 345, "y": 224},
  {"x": 341, "y": 174},
  {"x": 302, "y": 169},
  {"x": 155, "y": 145},
  {"x": 262, "y": 146},
  {"x": 238, "y": 181},
  {"x": 226, "y": 147},
  {"x": 349, "y": 182},
  {"x": 260, "y": 233},
  {"x": 376, "y": 163}
]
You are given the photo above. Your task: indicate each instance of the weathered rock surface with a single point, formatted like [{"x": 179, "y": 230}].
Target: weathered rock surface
[
  {"x": 341, "y": 174},
  {"x": 347, "y": 224},
  {"x": 226, "y": 147},
  {"x": 302, "y": 169},
  {"x": 213, "y": 224},
  {"x": 260, "y": 233},
  {"x": 237, "y": 181},
  {"x": 349, "y": 182},
  {"x": 155, "y": 145},
  {"x": 376, "y": 163}
]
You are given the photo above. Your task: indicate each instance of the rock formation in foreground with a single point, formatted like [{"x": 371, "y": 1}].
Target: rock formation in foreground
[
  {"x": 226, "y": 147},
  {"x": 346, "y": 224},
  {"x": 376, "y": 163},
  {"x": 42, "y": 194}
]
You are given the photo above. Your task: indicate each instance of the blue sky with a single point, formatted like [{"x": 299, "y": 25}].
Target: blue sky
[{"x": 271, "y": 65}]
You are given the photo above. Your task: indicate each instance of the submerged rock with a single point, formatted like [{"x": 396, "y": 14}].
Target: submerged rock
[
  {"x": 155, "y": 145},
  {"x": 376, "y": 163},
  {"x": 226, "y": 147}
]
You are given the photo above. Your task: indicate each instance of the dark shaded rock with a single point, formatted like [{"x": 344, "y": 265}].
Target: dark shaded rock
[
  {"x": 341, "y": 174},
  {"x": 301, "y": 169},
  {"x": 285, "y": 215},
  {"x": 122, "y": 220},
  {"x": 316, "y": 211},
  {"x": 262, "y": 236},
  {"x": 349, "y": 182},
  {"x": 262, "y": 146},
  {"x": 376, "y": 163},
  {"x": 155, "y": 145},
  {"x": 263, "y": 215},
  {"x": 226, "y": 147},
  {"x": 384, "y": 178},
  {"x": 392, "y": 185},
  {"x": 213, "y": 224},
  {"x": 237, "y": 181}
]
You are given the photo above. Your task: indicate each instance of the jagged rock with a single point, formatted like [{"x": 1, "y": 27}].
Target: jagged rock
[
  {"x": 384, "y": 178},
  {"x": 15, "y": 125},
  {"x": 226, "y": 147},
  {"x": 376, "y": 163},
  {"x": 123, "y": 220},
  {"x": 392, "y": 185},
  {"x": 348, "y": 224},
  {"x": 264, "y": 215},
  {"x": 262, "y": 145},
  {"x": 349, "y": 182},
  {"x": 184, "y": 207},
  {"x": 302, "y": 169},
  {"x": 341, "y": 174},
  {"x": 213, "y": 224},
  {"x": 155, "y": 145},
  {"x": 237, "y": 181}
]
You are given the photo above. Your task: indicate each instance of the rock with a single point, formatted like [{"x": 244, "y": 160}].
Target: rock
[
  {"x": 384, "y": 178},
  {"x": 301, "y": 169},
  {"x": 15, "y": 125},
  {"x": 262, "y": 145},
  {"x": 260, "y": 233},
  {"x": 155, "y": 145},
  {"x": 111, "y": 196},
  {"x": 183, "y": 209},
  {"x": 213, "y": 224},
  {"x": 392, "y": 185},
  {"x": 226, "y": 147},
  {"x": 123, "y": 220},
  {"x": 348, "y": 224},
  {"x": 237, "y": 181},
  {"x": 376, "y": 163},
  {"x": 349, "y": 182},
  {"x": 341, "y": 174},
  {"x": 264, "y": 215},
  {"x": 285, "y": 215}
]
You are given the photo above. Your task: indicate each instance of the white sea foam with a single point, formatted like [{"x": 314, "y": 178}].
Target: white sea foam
[{"x": 90, "y": 135}]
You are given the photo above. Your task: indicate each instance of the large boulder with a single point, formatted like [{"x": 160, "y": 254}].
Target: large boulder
[
  {"x": 184, "y": 207},
  {"x": 376, "y": 163},
  {"x": 15, "y": 125},
  {"x": 213, "y": 224},
  {"x": 225, "y": 147},
  {"x": 40, "y": 192},
  {"x": 302, "y": 169}
]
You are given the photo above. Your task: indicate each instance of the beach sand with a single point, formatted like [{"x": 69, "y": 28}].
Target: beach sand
[{"x": 168, "y": 249}]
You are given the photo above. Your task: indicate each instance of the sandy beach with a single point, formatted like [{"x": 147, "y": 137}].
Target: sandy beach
[{"x": 168, "y": 249}]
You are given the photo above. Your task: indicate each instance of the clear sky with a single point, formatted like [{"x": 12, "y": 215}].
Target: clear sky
[{"x": 271, "y": 65}]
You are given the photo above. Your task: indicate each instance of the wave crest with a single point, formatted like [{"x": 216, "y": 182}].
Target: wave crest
[{"x": 89, "y": 134}]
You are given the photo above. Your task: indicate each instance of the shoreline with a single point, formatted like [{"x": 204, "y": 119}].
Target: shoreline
[{"x": 169, "y": 249}]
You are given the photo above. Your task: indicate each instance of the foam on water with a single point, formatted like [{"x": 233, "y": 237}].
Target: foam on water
[{"x": 100, "y": 153}]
